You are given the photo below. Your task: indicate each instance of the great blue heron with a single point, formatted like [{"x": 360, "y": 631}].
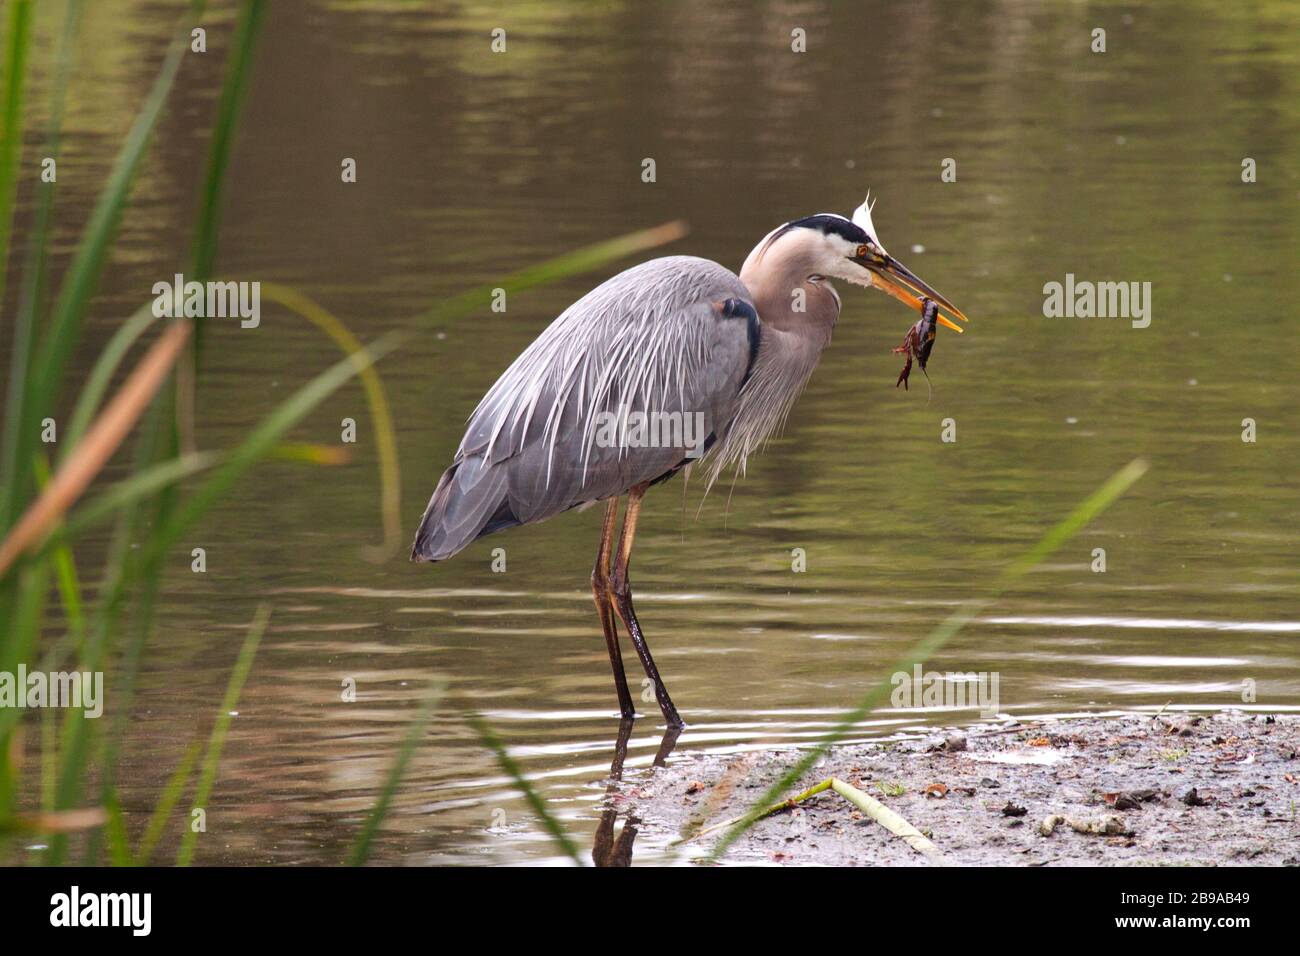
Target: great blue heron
[{"x": 670, "y": 362}]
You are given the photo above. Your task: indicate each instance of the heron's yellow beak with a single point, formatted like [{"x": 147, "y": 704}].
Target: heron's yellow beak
[{"x": 891, "y": 276}]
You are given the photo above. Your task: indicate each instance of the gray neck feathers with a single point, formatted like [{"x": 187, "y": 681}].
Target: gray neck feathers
[{"x": 797, "y": 313}]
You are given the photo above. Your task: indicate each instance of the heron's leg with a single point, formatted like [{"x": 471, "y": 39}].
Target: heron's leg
[
  {"x": 605, "y": 850},
  {"x": 605, "y": 608},
  {"x": 622, "y": 590}
]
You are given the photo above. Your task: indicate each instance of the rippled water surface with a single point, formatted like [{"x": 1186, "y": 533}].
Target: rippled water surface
[{"x": 1118, "y": 166}]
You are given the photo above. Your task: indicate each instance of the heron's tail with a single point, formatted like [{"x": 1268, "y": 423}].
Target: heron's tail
[{"x": 470, "y": 501}]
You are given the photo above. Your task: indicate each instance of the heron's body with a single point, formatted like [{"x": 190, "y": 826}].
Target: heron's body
[
  {"x": 673, "y": 337},
  {"x": 531, "y": 449}
]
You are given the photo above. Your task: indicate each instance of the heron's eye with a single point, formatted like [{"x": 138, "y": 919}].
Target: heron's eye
[{"x": 863, "y": 250}]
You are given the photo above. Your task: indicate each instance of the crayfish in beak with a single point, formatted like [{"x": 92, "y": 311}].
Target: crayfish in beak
[{"x": 919, "y": 341}]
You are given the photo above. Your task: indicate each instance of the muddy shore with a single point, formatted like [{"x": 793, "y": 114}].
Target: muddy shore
[{"x": 1184, "y": 789}]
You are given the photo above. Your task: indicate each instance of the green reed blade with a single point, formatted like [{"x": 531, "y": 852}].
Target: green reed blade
[
  {"x": 381, "y": 417},
  {"x": 264, "y": 438},
  {"x": 13, "y": 75},
  {"x": 162, "y": 811},
  {"x": 414, "y": 733},
  {"x": 119, "y": 845},
  {"x": 83, "y": 272},
  {"x": 101, "y": 375},
  {"x": 534, "y": 800},
  {"x": 212, "y": 758},
  {"x": 233, "y": 92}
]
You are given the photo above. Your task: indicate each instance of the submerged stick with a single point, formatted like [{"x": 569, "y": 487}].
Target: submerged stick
[{"x": 892, "y": 821}]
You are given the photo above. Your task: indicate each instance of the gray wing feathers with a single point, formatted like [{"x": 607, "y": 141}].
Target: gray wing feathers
[{"x": 650, "y": 339}]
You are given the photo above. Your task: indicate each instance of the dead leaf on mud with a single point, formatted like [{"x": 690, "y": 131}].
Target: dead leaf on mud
[
  {"x": 938, "y": 790},
  {"x": 1130, "y": 799},
  {"x": 1040, "y": 742},
  {"x": 1011, "y": 810}
]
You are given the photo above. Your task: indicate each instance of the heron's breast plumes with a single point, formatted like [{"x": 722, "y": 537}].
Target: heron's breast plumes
[{"x": 785, "y": 363}]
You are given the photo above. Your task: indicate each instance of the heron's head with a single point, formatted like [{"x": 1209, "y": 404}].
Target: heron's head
[{"x": 835, "y": 247}]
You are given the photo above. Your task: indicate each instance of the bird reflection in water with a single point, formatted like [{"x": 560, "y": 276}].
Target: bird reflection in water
[{"x": 608, "y": 850}]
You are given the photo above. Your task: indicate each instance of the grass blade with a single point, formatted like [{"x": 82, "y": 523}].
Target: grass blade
[
  {"x": 101, "y": 375},
  {"x": 208, "y": 222},
  {"x": 552, "y": 270},
  {"x": 142, "y": 484},
  {"x": 20, "y": 637},
  {"x": 413, "y": 735},
  {"x": 264, "y": 439},
  {"x": 233, "y": 91},
  {"x": 83, "y": 272},
  {"x": 30, "y": 299},
  {"x": 101, "y": 441},
  {"x": 17, "y": 42},
  {"x": 390, "y": 473},
  {"x": 171, "y": 795},
  {"x": 119, "y": 849},
  {"x": 65, "y": 569},
  {"x": 552, "y": 826},
  {"x": 212, "y": 758}
]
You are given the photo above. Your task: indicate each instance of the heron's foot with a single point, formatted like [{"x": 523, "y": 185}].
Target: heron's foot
[
  {"x": 670, "y": 715},
  {"x": 673, "y": 718}
]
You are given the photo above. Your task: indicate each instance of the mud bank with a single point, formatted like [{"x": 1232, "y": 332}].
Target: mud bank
[{"x": 1135, "y": 790}]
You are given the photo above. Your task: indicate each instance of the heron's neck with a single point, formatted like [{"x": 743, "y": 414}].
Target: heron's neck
[
  {"x": 796, "y": 315},
  {"x": 788, "y": 298}
]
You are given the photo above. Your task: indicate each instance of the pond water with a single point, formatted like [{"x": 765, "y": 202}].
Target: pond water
[{"x": 1120, "y": 166}]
